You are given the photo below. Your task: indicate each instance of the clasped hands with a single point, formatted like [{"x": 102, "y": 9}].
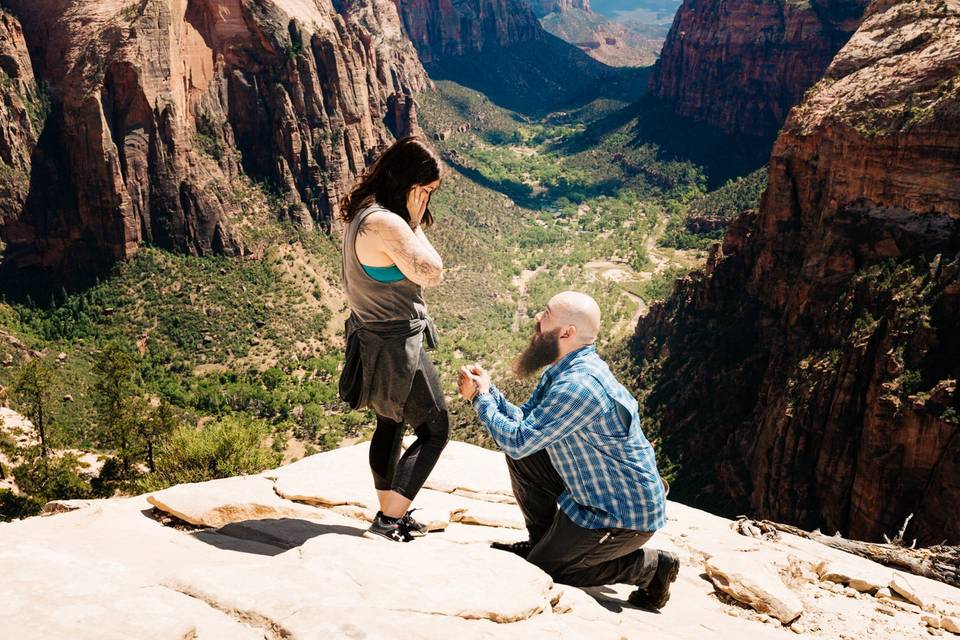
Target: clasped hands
[{"x": 473, "y": 380}]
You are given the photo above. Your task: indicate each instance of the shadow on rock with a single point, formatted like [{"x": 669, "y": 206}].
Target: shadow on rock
[{"x": 271, "y": 536}]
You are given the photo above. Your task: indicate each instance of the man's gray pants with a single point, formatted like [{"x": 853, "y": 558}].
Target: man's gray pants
[{"x": 568, "y": 552}]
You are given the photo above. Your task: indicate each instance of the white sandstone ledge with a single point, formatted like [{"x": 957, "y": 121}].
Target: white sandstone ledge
[{"x": 279, "y": 555}]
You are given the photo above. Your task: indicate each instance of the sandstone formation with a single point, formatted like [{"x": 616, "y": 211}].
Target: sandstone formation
[
  {"x": 755, "y": 585},
  {"x": 251, "y": 564},
  {"x": 809, "y": 375},
  {"x": 443, "y": 29},
  {"x": 543, "y": 7},
  {"x": 158, "y": 106},
  {"x": 612, "y": 42},
  {"x": 21, "y": 105},
  {"x": 739, "y": 65}
]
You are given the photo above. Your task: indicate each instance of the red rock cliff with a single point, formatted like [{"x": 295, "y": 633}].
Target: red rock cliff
[
  {"x": 740, "y": 65},
  {"x": 158, "y": 105},
  {"x": 810, "y": 374},
  {"x": 21, "y": 105},
  {"x": 543, "y": 7},
  {"x": 448, "y": 28}
]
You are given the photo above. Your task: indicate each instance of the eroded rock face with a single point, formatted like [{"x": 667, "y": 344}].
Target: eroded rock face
[
  {"x": 19, "y": 99},
  {"x": 543, "y": 7},
  {"x": 445, "y": 29},
  {"x": 157, "y": 106},
  {"x": 740, "y": 65},
  {"x": 810, "y": 374},
  {"x": 755, "y": 585}
]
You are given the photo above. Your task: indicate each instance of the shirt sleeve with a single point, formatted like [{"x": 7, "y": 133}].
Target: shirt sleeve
[
  {"x": 567, "y": 406},
  {"x": 503, "y": 405}
]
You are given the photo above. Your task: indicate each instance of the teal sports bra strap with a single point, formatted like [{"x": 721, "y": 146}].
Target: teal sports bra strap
[{"x": 384, "y": 274}]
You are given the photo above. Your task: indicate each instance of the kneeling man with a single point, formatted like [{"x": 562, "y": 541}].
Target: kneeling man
[{"x": 577, "y": 444}]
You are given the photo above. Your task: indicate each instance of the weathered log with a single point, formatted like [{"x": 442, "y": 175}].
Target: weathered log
[{"x": 941, "y": 562}]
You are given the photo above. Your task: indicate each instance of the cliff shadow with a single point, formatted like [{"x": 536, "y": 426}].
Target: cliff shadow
[
  {"x": 48, "y": 249},
  {"x": 270, "y": 536},
  {"x": 541, "y": 77},
  {"x": 649, "y": 121}
]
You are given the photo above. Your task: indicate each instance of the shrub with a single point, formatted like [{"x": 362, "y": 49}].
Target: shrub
[
  {"x": 232, "y": 446},
  {"x": 50, "y": 478},
  {"x": 14, "y": 506}
]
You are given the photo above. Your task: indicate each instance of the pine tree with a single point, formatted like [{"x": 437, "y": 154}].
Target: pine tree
[
  {"x": 119, "y": 403},
  {"x": 159, "y": 425},
  {"x": 31, "y": 387}
]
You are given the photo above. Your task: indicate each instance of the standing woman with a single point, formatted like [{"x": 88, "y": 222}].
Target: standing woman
[{"x": 387, "y": 261}]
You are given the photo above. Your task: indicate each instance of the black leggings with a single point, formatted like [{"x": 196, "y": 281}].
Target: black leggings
[{"x": 426, "y": 412}]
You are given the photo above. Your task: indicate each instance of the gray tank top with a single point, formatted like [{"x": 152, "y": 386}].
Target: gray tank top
[{"x": 369, "y": 299}]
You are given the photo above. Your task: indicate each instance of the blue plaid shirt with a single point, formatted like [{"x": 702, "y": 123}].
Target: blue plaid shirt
[{"x": 590, "y": 426}]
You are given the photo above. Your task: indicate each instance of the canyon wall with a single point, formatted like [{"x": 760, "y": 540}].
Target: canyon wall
[
  {"x": 158, "y": 106},
  {"x": 446, "y": 29},
  {"x": 543, "y": 7},
  {"x": 21, "y": 106},
  {"x": 809, "y": 374},
  {"x": 740, "y": 65}
]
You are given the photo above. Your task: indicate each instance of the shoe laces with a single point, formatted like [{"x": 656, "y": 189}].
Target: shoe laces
[{"x": 407, "y": 518}]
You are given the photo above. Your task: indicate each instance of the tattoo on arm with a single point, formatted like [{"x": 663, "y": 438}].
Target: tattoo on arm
[{"x": 411, "y": 254}]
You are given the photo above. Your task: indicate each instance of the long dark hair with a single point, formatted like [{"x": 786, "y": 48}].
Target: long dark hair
[{"x": 407, "y": 163}]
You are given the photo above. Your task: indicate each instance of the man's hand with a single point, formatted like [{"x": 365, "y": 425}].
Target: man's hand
[
  {"x": 480, "y": 376},
  {"x": 466, "y": 385}
]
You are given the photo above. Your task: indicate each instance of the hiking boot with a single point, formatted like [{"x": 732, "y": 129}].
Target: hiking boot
[
  {"x": 656, "y": 594},
  {"x": 386, "y": 528},
  {"x": 521, "y": 548},
  {"x": 411, "y": 527}
]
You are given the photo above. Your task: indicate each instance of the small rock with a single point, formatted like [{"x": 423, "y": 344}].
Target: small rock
[
  {"x": 931, "y": 621},
  {"x": 901, "y": 585},
  {"x": 68, "y": 398},
  {"x": 908, "y": 606},
  {"x": 61, "y": 356},
  {"x": 951, "y": 624},
  {"x": 755, "y": 585},
  {"x": 884, "y": 594},
  {"x": 63, "y": 506},
  {"x": 863, "y": 586}
]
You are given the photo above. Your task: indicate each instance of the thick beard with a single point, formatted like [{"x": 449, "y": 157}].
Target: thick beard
[{"x": 542, "y": 350}]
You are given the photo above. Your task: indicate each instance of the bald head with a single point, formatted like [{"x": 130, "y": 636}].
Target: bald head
[{"x": 578, "y": 309}]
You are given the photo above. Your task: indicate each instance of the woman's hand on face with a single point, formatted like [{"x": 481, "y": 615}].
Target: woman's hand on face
[{"x": 417, "y": 205}]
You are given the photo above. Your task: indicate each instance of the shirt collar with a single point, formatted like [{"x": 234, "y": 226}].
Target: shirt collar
[{"x": 567, "y": 360}]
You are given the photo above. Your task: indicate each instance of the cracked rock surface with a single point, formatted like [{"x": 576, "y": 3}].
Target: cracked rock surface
[{"x": 243, "y": 561}]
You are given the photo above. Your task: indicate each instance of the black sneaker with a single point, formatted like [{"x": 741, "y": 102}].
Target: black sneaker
[
  {"x": 411, "y": 527},
  {"x": 388, "y": 529},
  {"x": 656, "y": 594},
  {"x": 521, "y": 548}
]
